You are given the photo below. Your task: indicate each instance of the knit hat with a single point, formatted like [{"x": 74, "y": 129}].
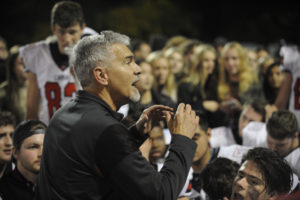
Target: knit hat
[{"x": 26, "y": 129}]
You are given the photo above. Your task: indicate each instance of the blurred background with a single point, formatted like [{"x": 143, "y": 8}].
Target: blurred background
[{"x": 28, "y": 21}]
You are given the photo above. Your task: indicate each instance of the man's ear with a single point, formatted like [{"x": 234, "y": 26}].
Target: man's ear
[
  {"x": 208, "y": 132},
  {"x": 52, "y": 29},
  {"x": 100, "y": 74},
  {"x": 83, "y": 26}
]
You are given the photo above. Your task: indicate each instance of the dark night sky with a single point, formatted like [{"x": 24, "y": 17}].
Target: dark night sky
[{"x": 28, "y": 21}]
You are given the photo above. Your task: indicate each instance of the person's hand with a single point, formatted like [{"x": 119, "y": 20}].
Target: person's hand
[
  {"x": 152, "y": 115},
  {"x": 236, "y": 105},
  {"x": 145, "y": 148},
  {"x": 269, "y": 110},
  {"x": 185, "y": 121}
]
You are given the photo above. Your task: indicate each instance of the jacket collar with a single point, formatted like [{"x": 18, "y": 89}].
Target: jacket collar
[{"x": 85, "y": 95}]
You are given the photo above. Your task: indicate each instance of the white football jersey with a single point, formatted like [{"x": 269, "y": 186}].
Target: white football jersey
[
  {"x": 291, "y": 63},
  {"x": 221, "y": 136},
  {"x": 233, "y": 152},
  {"x": 56, "y": 86},
  {"x": 255, "y": 134},
  {"x": 293, "y": 159}
]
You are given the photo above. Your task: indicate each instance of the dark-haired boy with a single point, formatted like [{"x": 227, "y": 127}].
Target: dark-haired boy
[
  {"x": 28, "y": 144},
  {"x": 7, "y": 126}
]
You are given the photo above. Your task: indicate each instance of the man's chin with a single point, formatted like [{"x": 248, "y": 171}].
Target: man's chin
[{"x": 135, "y": 96}]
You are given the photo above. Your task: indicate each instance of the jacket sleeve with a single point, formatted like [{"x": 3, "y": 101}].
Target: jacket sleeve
[{"x": 120, "y": 161}]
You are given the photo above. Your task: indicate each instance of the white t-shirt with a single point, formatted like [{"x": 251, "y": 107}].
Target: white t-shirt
[{"x": 57, "y": 86}]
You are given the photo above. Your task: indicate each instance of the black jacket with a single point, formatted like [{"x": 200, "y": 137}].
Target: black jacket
[
  {"x": 14, "y": 186},
  {"x": 89, "y": 154}
]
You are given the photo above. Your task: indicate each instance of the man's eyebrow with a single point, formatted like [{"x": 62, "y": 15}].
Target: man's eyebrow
[
  {"x": 255, "y": 178},
  {"x": 131, "y": 57}
]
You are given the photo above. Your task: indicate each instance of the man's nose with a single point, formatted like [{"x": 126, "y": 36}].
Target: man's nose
[
  {"x": 40, "y": 151},
  {"x": 8, "y": 141},
  {"x": 67, "y": 38},
  {"x": 137, "y": 69}
]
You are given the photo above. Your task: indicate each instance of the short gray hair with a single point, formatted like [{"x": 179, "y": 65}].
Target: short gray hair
[{"x": 93, "y": 50}]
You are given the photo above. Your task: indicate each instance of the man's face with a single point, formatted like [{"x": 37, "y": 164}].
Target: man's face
[
  {"x": 249, "y": 183},
  {"x": 248, "y": 115},
  {"x": 283, "y": 146},
  {"x": 158, "y": 144},
  {"x": 202, "y": 140},
  {"x": 146, "y": 78},
  {"x": 161, "y": 70},
  {"x": 30, "y": 153},
  {"x": 67, "y": 37},
  {"x": 6, "y": 144},
  {"x": 123, "y": 75}
]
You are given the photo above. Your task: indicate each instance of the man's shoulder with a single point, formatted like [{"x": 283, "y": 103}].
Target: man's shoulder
[
  {"x": 85, "y": 113},
  {"x": 33, "y": 47},
  {"x": 294, "y": 156},
  {"x": 9, "y": 180},
  {"x": 35, "y": 56},
  {"x": 233, "y": 152}
]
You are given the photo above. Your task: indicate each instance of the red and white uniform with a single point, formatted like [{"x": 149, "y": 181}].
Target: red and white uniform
[{"x": 56, "y": 86}]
